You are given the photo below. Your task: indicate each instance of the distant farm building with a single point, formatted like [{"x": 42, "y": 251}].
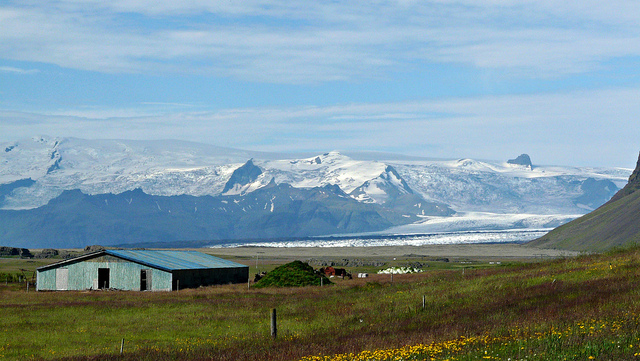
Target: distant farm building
[
  {"x": 139, "y": 270},
  {"x": 330, "y": 271}
]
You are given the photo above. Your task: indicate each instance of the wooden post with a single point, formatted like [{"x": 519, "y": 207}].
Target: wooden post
[
  {"x": 122, "y": 347},
  {"x": 27, "y": 286},
  {"x": 321, "y": 281},
  {"x": 424, "y": 302},
  {"x": 274, "y": 328}
]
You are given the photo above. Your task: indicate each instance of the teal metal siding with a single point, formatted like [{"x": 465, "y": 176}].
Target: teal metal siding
[
  {"x": 123, "y": 275},
  {"x": 46, "y": 280},
  {"x": 165, "y": 270}
]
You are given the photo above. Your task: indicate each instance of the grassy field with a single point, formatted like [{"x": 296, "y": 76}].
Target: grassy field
[
  {"x": 14, "y": 268},
  {"x": 576, "y": 308}
]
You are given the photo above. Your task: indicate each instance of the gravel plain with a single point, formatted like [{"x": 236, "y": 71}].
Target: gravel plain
[{"x": 480, "y": 252}]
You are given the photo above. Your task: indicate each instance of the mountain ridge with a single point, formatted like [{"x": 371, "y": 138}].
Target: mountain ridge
[
  {"x": 414, "y": 191},
  {"x": 75, "y": 219}
]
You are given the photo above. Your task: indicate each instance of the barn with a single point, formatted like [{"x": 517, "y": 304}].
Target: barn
[{"x": 139, "y": 270}]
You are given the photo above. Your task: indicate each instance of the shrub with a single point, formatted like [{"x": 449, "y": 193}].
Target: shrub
[
  {"x": 293, "y": 274},
  {"x": 9, "y": 277}
]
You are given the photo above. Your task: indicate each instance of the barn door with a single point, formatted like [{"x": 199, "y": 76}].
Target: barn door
[
  {"x": 62, "y": 279},
  {"x": 145, "y": 280},
  {"x": 103, "y": 278}
]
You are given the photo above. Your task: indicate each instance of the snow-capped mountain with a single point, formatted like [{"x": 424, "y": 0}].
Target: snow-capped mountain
[
  {"x": 483, "y": 186},
  {"x": 111, "y": 166},
  {"x": 415, "y": 194},
  {"x": 330, "y": 168}
]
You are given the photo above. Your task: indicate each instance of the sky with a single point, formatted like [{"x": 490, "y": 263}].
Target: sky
[{"x": 489, "y": 79}]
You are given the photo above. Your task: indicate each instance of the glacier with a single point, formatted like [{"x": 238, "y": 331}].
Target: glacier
[{"x": 483, "y": 195}]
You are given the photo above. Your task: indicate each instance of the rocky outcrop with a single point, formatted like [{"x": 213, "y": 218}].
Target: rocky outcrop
[
  {"x": 522, "y": 159},
  {"x": 241, "y": 177},
  {"x": 632, "y": 185},
  {"x": 13, "y": 251},
  {"x": 94, "y": 248}
]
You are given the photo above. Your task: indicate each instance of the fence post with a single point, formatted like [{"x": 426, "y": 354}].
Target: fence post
[
  {"x": 274, "y": 329},
  {"x": 424, "y": 302}
]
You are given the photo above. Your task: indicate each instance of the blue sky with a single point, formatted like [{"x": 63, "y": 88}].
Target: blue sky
[{"x": 559, "y": 80}]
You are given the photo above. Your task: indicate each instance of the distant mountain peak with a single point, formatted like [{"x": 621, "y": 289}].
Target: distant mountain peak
[
  {"x": 391, "y": 174},
  {"x": 333, "y": 155},
  {"x": 241, "y": 177},
  {"x": 388, "y": 185},
  {"x": 522, "y": 159}
]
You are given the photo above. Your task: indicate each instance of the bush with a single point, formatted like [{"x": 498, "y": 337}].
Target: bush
[
  {"x": 294, "y": 274},
  {"x": 9, "y": 277}
]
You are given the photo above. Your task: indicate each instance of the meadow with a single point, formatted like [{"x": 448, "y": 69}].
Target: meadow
[{"x": 576, "y": 308}]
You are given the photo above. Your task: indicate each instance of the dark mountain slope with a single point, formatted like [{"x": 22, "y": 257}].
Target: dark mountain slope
[
  {"x": 75, "y": 219},
  {"x": 242, "y": 176},
  {"x": 616, "y": 223},
  {"x": 6, "y": 189}
]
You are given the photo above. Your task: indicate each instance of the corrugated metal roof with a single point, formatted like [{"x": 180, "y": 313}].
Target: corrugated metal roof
[
  {"x": 174, "y": 260},
  {"x": 165, "y": 260}
]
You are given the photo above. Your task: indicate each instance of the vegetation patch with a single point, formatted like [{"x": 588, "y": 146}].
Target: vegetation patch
[
  {"x": 583, "y": 308},
  {"x": 293, "y": 274}
]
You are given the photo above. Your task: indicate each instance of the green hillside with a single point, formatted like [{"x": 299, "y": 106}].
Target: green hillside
[
  {"x": 583, "y": 308},
  {"x": 616, "y": 223}
]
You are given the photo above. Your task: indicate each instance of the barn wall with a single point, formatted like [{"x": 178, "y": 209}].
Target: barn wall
[
  {"x": 46, "y": 280},
  {"x": 207, "y": 277},
  {"x": 123, "y": 275}
]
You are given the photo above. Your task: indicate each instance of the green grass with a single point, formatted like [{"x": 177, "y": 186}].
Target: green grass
[
  {"x": 15, "y": 264},
  {"x": 523, "y": 311},
  {"x": 12, "y": 268}
]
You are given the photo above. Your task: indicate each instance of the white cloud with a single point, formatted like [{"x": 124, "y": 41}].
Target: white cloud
[
  {"x": 309, "y": 42},
  {"x": 316, "y": 42},
  {"x": 13, "y": 70},
  {"x": 579, "y": 128}
]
